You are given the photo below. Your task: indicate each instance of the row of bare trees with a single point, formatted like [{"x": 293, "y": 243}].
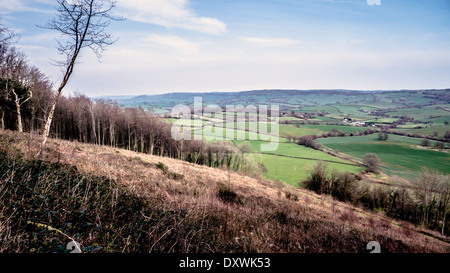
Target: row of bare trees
[
  {"x": 28, "y": 103},
  {"x": 23, "y": 87},
  {"x": 104, "y": 122},
  {"x": 26, "y": 98}
]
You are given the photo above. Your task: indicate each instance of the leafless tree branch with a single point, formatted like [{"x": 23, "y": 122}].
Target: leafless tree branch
[{"x": 81, "y": 24}]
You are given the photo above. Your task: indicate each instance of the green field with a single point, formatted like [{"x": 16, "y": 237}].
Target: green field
[
  {"x": 429, "y": 131},
  {"x": 411, "y": 125},
  {"x": 400, "y": 155},
  {"x": 187, "y": 122},
  {"x": 220, "y": 133},
  {"x": 293, "y": 130},
  {"x": 382, "y": 120},
  {"x": 329, "y": 128},
  {"x": 419, "y": 114},
  {"x": 310, "y": 129},
  {"x": 290, "y": 163},
  {"x": 440, "y": 120},
  {"x": 428, "y": 111},
  {"x": 285, "y": 130},
  {"x": 293, "y": 163}
]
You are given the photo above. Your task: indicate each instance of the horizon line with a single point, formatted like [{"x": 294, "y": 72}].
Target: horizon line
[{"x": 256, "y": 90}]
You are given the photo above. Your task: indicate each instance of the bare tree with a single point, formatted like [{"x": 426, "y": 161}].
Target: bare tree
[
  {"x": 372, "y": 162},
  {"x": 41, "y": 90},
  {"x": 428, "y": 183},
  {"x": 15, "y": 71},
  {"x": 6, "y": 38},
  {"x": 82, "y": 24},
  {"x": 444, "y": 190}
]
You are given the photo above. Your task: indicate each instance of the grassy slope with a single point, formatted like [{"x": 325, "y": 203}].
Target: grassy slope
[
  {"x": 157, "y": 212},
  {"x": 329, "y": 128},
  {"x": 294, "y": 162},
  {"x": 429, "y": 131},
  {"x": 399, "y": 154},
  {"x": 419, "y": 114},
  {"x": 288, "y": 169},
  {"x": 294, "y": 170}
]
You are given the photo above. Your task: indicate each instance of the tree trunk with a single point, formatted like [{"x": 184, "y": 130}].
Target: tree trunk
[
  {"x": 19, "y": 115},
  {"x": 443, "y": 223},
  {"x": 94, "y": 135},
  {"x": 99, "y": 133},
  {"x": 46, "y": 131},
  {"x": 162, "y": 150},
  {"x": 151, "y": 142},
  {"x": 152, "y": 146},
  {"x": 129, "y": 137},
  {"x": 19, "y": 120},
  {"x": 33, "y": 119},
  {"x": 111, "y": 133},
  {"x": 3, "y": 118},
  {"x": 104, "y": 134}
]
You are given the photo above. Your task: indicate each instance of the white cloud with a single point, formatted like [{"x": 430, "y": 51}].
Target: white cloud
[
  {"x": 174, "y": 42},
  {"x": 8, "y": 6},
  {"x": 265, "y": 42},
  {"x": 170, "y": 14},
  {"x": 38, "y": 39}
]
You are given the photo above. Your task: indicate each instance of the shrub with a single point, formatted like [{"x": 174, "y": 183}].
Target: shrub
[
  {"x": 291, "y": 196},
  {"x": 372, "y": 162},
  {"x": 308, "y": 141},
  {"x": 343, "y": 187},
  {"x": 161, "y": 166},
  {"x": 262, "y": 167},
  {"x": 227, "y": 195},
  {"x": 349, "y": 216},
  {"x": 175, "y": 176},
  {"x": 318, "y": 181},
  {"x": 281, "y": 217},
  {"x": 425, "y": 142},
  {"x": 169, "y": 174},
  {"x": 383, "y": 136},
  {"x": 439, "y": 145}
]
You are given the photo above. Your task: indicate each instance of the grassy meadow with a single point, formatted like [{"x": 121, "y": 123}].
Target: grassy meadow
[
  {"x": 292, "y": 163},
  {"x": 400, "y": 156}
]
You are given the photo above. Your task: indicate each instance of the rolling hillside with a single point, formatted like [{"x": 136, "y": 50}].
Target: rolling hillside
[
  {"x": 401, "y": 156},
  {"x": 113, "y": 200},
  {"x": 335, "y": 102}
]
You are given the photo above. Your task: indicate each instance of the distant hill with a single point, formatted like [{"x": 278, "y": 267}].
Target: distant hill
[{"x": 288, "y": 99}]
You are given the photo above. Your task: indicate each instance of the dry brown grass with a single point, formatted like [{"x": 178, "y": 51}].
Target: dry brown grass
[{"x": 269, "y": 217}]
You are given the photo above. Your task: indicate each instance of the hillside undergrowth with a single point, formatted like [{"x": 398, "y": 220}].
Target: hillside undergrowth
[{"x": 112, "y": 200}]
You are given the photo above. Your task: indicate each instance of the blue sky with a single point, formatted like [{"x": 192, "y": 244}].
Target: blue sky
[{"x": 234, "y": 45}]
